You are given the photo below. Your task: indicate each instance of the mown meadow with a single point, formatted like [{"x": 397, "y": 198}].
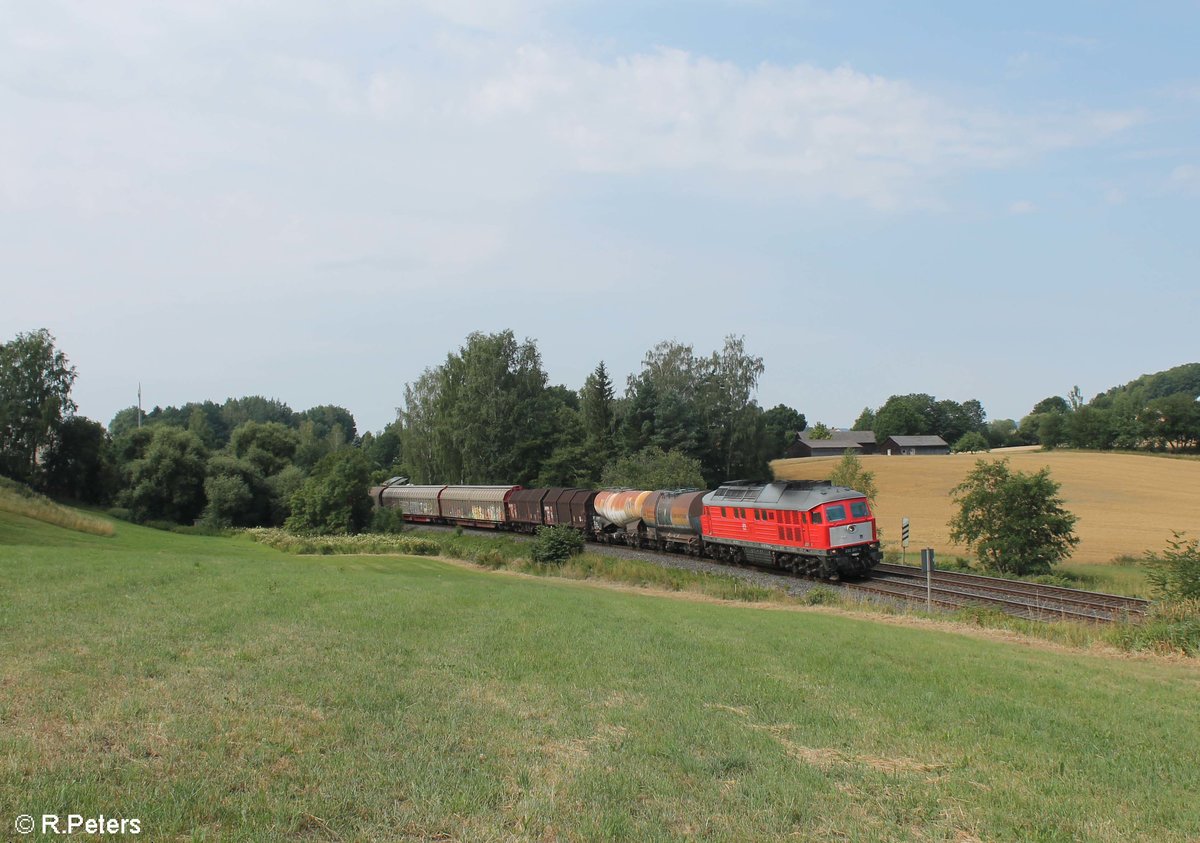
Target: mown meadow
[{"x": 219, "y": 689}]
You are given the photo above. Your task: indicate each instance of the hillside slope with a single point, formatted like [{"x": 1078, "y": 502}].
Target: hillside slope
[
  {"x": 1126, "y": 503},
  {"x": 219, "y": 690}
]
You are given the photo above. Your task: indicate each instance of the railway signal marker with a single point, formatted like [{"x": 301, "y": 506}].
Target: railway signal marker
[{"x": 927, "y": 564}]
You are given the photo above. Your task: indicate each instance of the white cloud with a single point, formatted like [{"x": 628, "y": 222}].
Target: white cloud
[
  {"x": 828, "y": 132},
  {"x": 429, "y": 88},
  {"x": 1022, "y": 206}
]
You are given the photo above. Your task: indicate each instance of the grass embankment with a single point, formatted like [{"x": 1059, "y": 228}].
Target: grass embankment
[
  {"x": 505, "y": 551},
  {"x": 1127, "y": 504},
  {"x": 219, "y": 689},
  {"x": 1168, "y": 630},
  {"x": 19, "y": 499}
]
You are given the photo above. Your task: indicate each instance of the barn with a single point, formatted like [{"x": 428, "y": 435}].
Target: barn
[
  {"x": 914, "y": 445},
  {"x": 855, "y": 441}
]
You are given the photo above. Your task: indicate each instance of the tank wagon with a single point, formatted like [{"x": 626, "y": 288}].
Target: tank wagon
[{"x": 809, "y": 527}]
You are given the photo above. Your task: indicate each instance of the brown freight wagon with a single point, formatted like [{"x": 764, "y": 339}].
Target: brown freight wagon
[
  {"x": 582, "y": 509},
  {"x": 556, "y": 506},
  {"x": 524, "y": 509}
]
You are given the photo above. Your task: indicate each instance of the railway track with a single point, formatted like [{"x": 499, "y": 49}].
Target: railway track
[
  {"x": 951, "y": 590},
  {"x": 1027, "y": 600}
]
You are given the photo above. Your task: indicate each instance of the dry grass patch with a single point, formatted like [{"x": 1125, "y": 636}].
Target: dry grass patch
[
  {"x": 19, "y": 500},
  {"x": 1126, "y": 503}
]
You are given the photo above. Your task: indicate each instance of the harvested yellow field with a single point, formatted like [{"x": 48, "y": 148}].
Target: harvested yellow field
[{"x": 1126, "y": 504}]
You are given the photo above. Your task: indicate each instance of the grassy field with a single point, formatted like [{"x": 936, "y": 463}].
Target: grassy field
[
  {"x": 218, "y": 689},
  {"x": 1126, "y": 503}
]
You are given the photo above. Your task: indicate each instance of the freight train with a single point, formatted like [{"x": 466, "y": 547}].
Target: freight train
[{"x": 808, "y": 527}]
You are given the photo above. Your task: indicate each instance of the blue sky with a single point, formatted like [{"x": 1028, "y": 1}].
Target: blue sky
[{"x": 315, "y": 203}]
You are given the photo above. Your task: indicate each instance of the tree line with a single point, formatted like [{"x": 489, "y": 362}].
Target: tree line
[
  {"x": 1154, "y": 412},
  {"x": 488, "y": 415}
]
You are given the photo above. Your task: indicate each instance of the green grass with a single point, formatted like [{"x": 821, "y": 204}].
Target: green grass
[
  {"x": 505, "y": 551},
  {"x": 218, "y": 689},
  {"x": 1125, "y": 579}
]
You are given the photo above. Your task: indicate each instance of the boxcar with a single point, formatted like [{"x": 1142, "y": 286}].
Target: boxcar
[
  {"x": 476, "y": 506},
  {"x": 418, "y": 503},
  {"x": 556, "y": 506},
  {"x": 524, "y": 509},
  {"x": 582, "y": 508}
]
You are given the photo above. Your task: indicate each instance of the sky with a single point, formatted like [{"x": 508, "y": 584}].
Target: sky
[{"x": 314, "y": 202}]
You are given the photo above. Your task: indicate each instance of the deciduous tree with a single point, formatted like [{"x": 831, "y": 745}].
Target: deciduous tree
[
  {"x": 167, "y": 480},
  {"x": 35, "y": 400},
  {"x": 1175, "y": 574},
  {"x": 849, "y": 472},
  {"x": 1014, "y": 522},
  {"x": 653, "y": 468},
  {"x": 782, "y": 423},
  {"x": 334, "y": 499}
]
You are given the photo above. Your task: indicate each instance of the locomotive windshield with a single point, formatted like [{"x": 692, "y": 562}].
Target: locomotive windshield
[
  {"x": 835, "y": 512},
  {"x": 859, "y": 509}
]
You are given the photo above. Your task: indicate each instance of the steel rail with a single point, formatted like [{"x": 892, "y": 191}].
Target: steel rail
[{"x": 1051, "y": 594}]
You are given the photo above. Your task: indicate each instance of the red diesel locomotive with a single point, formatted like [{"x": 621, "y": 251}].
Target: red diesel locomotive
[{"x": 808, "y": 527}]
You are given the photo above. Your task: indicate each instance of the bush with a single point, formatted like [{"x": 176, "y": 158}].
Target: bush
[
  {"x": 334, "y": 500},
  {"x": 1176, "y": 574},
  {"x": 820, "y": 595},
  {"x": 490, "y": 558},
  {"x": 387, "y": 519},
  {"x": 555, "y": 545},
  {"x": 357, "y": 544},
  {"x": 971, "y": 443},
  {"x": 1169, "y": 627}
]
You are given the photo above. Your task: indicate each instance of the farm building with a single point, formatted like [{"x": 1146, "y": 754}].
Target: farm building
[
  {"x": 914, "y": 445},
  {"x": 857, "y": 441}
]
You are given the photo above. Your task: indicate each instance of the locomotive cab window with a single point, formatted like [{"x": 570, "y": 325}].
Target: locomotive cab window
[
  {"x": 816, "y": 517},
  {"x": 859, "y": 509},
  {"x": 835, "y": 512}
]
